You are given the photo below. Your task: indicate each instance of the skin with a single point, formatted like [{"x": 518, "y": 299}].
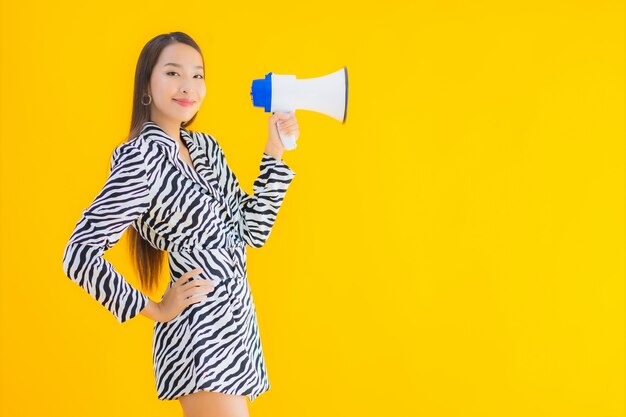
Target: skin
[{"x": 186, "y": 80}]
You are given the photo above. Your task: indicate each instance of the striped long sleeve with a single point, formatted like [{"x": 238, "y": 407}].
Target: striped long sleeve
[
  {"x": 123, "y": 198},
  {"x": 257, "y": 211}
]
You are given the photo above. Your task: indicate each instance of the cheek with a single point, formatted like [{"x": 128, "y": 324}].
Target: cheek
[{"x": 163, "y": 85}]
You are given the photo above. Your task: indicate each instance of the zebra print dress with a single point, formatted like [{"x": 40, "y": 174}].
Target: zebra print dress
[{"x": 202, "y": 218}]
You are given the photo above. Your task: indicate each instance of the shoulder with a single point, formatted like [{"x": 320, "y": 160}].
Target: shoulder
[
  {"x": 129, "y": 153},
  {"x": 209, "y": 144},
  {"x": 204, "y": 139}
]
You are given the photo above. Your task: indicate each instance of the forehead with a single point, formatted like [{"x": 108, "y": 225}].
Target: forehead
[{"x": 180, "y": 53}]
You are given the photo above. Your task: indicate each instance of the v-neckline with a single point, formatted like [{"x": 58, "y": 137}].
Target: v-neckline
[
  {"x": 191, "y": 166},
  {"x": 204, "y": 176}
]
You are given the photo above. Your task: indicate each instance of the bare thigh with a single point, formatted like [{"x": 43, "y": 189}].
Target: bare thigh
[{"x": 213, "y": 404}]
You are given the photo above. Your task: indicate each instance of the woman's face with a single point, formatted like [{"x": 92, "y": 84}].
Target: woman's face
[{"x": 177, "y": 84}]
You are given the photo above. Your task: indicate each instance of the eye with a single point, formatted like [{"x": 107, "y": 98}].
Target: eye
[{"x": 174, "y": 72}]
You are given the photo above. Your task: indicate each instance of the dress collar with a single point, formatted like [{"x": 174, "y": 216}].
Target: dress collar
[
  {"x": 202, "y": 172},
  {"x": 154, "y": 131}
]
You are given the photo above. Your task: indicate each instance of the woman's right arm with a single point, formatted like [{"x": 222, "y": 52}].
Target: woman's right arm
[{"x": 124, "y": 197}]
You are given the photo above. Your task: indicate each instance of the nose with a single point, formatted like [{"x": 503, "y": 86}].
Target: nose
[{"x": 184, "y": 87}]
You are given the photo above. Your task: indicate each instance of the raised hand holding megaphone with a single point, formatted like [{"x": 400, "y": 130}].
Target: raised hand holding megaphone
[
  {"x": 283, "y": 93},
  {"x": 281, "y": 125}
]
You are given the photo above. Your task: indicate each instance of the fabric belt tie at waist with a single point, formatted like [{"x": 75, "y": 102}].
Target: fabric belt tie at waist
[{"x": 234, "y": 256}]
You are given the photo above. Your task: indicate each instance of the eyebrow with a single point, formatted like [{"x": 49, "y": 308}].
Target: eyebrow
[{"x": 180, "y": 66}]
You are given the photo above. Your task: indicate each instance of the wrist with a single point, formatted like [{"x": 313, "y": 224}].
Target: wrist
[
  {"x": 273, "y": 152},
  {"x": 152, "y": 310}
]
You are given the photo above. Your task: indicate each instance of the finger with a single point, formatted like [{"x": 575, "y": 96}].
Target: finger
[
  {"x": 199, "y": 290},
  {"x": 275, "y": 121},
  {"x": 290, "y": 120},
  {"x": 199, "y": 285},
  {"x": 193, "y": 272},
  {"x": 187, "y": 275},
  {"x": 282, "y": 116},
  {"x": 288, "y": 131},
  {"x": 192, "y": 300},
  {"x": 286, "y": 117},
  {"x": 287, "y": 125},
  {"x": 197, "y": 294},
  {"x": 182, "y": 281}
]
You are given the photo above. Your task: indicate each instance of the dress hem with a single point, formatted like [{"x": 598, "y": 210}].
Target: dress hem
[{"x": 251, "y": 396}]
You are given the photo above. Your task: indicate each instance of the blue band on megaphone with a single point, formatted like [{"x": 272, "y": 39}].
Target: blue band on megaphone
[{"x": 261, "y": 92}]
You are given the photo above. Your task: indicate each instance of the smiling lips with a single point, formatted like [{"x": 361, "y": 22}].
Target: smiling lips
[{"x": 184, "y": 102}]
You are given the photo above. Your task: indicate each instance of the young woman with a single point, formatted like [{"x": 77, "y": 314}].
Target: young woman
[{"x": 175, "y": 188}]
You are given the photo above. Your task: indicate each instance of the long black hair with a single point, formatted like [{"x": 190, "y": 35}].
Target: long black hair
[{"x": 146, "y": 259}]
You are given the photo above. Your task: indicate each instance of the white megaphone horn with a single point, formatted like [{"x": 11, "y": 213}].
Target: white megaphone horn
[{"x": 283, "y": 93}]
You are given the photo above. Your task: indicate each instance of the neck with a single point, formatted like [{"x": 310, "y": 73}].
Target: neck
[{"x": 170, "y": 127}]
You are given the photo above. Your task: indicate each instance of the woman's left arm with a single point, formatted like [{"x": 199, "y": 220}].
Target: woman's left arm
[{"x": 256, "y": 212}]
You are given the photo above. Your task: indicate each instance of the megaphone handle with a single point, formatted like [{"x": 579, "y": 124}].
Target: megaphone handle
[{"x": 289, "y": 142}]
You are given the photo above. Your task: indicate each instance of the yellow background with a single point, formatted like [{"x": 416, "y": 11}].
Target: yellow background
[{"x": 455, "y": 249}]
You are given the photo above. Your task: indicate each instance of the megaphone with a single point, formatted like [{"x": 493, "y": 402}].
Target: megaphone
[{"x": 284, "y": 93}]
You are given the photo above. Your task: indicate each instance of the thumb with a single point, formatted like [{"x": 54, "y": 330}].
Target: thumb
[{"x": 280, "y": 116}]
